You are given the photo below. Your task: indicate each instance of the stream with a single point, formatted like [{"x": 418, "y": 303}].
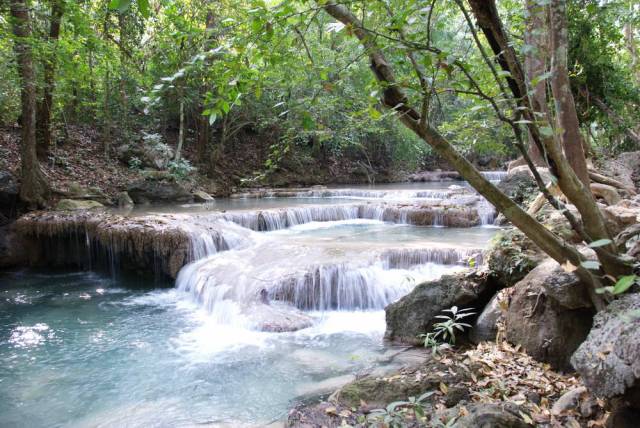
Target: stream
[{"x": 82, "y": 348}]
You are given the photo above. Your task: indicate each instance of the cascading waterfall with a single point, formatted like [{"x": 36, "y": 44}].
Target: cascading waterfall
[{"x": 234, "y": 285}]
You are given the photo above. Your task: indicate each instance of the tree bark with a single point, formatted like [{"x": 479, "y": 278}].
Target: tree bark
[
  {"x": 180, "y": 130},
  {"x": 595, "y": 227},
  {"x": 394, "y": 98},
  {"x": 34, "y": 189},
  {"x": 43, "y": 131},
  {"x": 535, "y": 62},
  {"x": 204, "y": 129},
  {"x": 567, "y": 117}
]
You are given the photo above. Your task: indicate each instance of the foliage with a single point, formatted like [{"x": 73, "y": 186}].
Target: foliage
[
  {"x": 180, "y": 169},
  {"x": 445, "y": 331},
  {"x": 135, "y": 163},
  {"x": 394, "y": 414}
]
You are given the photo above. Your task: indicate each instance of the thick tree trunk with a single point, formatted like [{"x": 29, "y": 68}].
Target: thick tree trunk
[
  {"x": 567, "y": 117},
  {"x": 393, "y": 97},
  {"x": 535, "y": 61},
  {"x": 595, "y": 227},
  {"x": 34, "y": 189},
  {"x": 43, "y": 132}
]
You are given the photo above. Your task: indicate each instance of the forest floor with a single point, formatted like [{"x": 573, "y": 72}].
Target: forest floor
[{"x": 80, "y": 159}]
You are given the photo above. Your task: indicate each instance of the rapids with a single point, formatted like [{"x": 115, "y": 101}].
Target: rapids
[{"x": 282, "y": 298}]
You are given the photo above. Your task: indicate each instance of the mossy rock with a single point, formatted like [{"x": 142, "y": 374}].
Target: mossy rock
[{"x": 75, "y": 205}]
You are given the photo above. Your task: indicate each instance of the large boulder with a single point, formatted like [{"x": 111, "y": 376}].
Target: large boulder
[
  {"x": 415, "y": 313},
  {"x": 148, "y": 152},
  {"x": 511, "y": 257},
  {"x": 158, "y": 188},
  {"x": 519, "y": 186},
  {"x": 609, "y": 359},
  {"x": 549, "y": 315}
]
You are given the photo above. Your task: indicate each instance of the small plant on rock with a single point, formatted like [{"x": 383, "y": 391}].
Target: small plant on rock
[
  {"x": 394, "y": 415},
  {"x": 180, "y": 169},
  {"x": 447, "y": 328},
  {"x": 135, "y": 163}
]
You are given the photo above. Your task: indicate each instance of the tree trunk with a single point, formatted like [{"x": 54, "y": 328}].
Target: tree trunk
[
  {"x": 106, "y": 114},
  {"x": 633, "y": 50},
  {"x": 394, "y": 98},
  {"x": 535, "y": 61},
  {"x": 180, "y": 131},
  {"x": 34, "y": 189},
  {"x": 204, "y": 129},
  {"x": 43, "y": 132},
  {"x": 595, "y": 227},
  {"x": 566, "y": 115}
]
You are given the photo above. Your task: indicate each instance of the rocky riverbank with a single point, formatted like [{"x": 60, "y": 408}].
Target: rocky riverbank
[{"x": 537, "y": 354}]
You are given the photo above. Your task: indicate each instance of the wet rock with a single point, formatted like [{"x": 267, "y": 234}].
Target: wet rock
[
  {"x": 83, "y": 238},
  {"x": 124, "y": 200},
  {"x": 75, "y": 205},
  {"x": 492, "y": 416},
  {"x": 411, "y": 381},
  {"x": 158, "y": 188},
  {"x": 277, "y": 317},
  {"x": 201, "y": 196},
  {"x": 8, "y": 194},
  {"x": 415, "y": 313},
  {"x": 77, "y": 191},
  {"x": 485, "y": 327},
  {"x": 549, "y": 314},
  {"x": 13, "y": 249},
  {"x": 609, "y": 359}
]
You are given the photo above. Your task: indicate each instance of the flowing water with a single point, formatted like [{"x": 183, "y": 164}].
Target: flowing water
[{"x": 88, "y": 349}]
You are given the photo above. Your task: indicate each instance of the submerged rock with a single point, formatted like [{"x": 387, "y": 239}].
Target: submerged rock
[
  {"x": 201, "y": 196},
  {"x": 74, "y": 205},
  {"x": 549, "y": 314},
  {"x": 415, "y": 313},
  {"x": 123, "y": 200},
  {"x": 278, "y": 318}
]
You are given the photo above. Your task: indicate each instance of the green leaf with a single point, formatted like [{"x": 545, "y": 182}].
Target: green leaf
[
  {"x": 624, "y": 283},
  {"x": 119, "y": 5},
  {"x": 143, "y": 7},
  {"x": 546, "y": 131},
  {"x": 600, "y": 243},
  {"x": 212, "y": 118}
]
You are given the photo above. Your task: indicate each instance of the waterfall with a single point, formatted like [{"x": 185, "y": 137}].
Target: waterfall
[
  {"x": 457, "y": 215},
  {"x": 494, "y": 175},
  {"x": 233, "y": 285}
]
